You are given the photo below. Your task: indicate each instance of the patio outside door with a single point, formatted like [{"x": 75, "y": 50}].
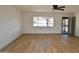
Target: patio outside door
[{"x": 65, "y": 25}]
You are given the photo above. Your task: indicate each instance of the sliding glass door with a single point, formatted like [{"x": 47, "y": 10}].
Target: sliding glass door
[{"x": 65, "y": 25}]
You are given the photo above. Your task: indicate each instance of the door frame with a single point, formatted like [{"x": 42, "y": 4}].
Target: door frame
[{"x": 68, "y": 25}]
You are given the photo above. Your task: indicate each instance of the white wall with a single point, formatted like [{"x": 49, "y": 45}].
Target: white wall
[
  {"x": 10, "y": 25},
  {"x": 28, "y": 18},
  {"x": 77, "y": 25}
]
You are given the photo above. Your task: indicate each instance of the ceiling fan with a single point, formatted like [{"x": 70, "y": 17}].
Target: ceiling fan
[{"x": 57, "y": 7}]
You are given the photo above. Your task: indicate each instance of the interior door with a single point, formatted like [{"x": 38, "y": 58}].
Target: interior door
[{"x": 72, "y": 26}]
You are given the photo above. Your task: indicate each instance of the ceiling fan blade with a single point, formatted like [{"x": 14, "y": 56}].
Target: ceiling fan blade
[
  {"x": 61, "y": 7},
  {"x": 56, "y": 7}
]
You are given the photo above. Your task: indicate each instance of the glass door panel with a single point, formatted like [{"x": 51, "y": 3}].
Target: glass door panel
[{"x": 65, "y": 22}]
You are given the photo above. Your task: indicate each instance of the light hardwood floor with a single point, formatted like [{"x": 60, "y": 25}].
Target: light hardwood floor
[{"x": 44, "y": 43}]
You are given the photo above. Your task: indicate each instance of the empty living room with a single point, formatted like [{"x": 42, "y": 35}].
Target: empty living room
[{"x": 39, "y": 28}]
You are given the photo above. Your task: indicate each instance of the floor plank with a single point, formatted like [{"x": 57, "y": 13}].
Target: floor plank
[{"x": 44, "y": 43}]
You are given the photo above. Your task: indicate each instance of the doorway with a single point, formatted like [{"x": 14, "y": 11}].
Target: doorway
[
  {"x": 68, "y": 25},
  {"x": 65, "y": 25}
]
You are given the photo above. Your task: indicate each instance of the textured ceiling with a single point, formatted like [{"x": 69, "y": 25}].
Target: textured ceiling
[{"x": 47, "y": 8}]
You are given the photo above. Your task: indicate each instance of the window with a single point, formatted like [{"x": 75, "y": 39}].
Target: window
[{"x": 43, "y": 21}]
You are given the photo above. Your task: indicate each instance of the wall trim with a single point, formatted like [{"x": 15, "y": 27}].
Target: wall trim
[{"x": 41, "y": 33}]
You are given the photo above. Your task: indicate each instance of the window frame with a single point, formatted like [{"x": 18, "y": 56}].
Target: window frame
[{"x": 47, "y": 22}]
